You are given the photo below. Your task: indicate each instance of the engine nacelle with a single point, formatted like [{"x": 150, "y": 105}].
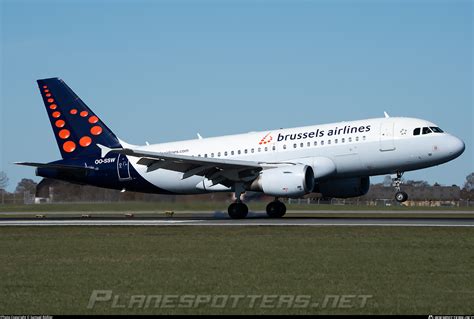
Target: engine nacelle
[
  {"x": 344, "y": 188},
  {"x": 285, "y": 181}
]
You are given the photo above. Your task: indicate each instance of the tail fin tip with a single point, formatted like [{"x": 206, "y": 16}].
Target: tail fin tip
[{"x": 76, "y": 127}]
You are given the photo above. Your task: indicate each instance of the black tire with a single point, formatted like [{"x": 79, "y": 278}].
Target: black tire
[
  {"x": 401, "y": 197},
  {"x": 276, "y": 209},
  {"x": 238, "y": 210}
]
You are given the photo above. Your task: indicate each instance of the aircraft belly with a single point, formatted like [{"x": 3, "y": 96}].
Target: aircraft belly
[
  {"x": 171, "y": 181},
  {"x": 375, "y": 161},
  {"x": 348, "y": 163}
]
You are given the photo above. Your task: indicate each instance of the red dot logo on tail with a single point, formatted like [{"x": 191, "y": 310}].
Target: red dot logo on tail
[
  {"x": 69, "y": 146},
  {"x": 85, "y": 141},
  {"x": 60, "y": 123},
  {"x": 93, "y": 119},
  {"x": 96, "y": 130},
  {"x": 64, "y": 134}
]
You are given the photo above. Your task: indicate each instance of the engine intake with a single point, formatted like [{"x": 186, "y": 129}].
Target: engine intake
[{"x": 285, "y": 181}]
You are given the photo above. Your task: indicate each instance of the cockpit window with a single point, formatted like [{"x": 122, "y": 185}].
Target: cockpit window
[
  {"x": 416, "y": 131},
  {"x": 427, "y": 130},
  {"x": 436, "y": 129}
]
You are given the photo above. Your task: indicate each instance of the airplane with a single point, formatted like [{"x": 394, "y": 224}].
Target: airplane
[{"x": 336, "y": 160}]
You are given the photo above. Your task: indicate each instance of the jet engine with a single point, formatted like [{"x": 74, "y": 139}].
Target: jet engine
[
  {"x": 344, "y": 188},
  {"x": 285, "y": 181}
]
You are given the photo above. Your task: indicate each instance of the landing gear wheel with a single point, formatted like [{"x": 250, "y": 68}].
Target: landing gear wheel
[
  {"x": 401, "y": 197},
  {"x": 238, "y": 210},
  {"x": 276, "y": 209}
]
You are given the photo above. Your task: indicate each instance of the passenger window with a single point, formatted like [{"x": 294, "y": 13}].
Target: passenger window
[
  {"x": 426, "y": 130},
  {"x": 294, "y": 145},
  {"x": 301, "y": 145},
  {"x": 335, "y": 141},
  {"x": 252, "y": 150},
  {"x": 238, "y": 152},
  {"x": 350, "y": 139},
  {"x": 284, "y": 146},
  {"x": 259, "y": 149},
  {"x": 315, "y": 143},
  {"x": 329, "y": 142},
  {"x": 309, "y": 144},
  {"x": 205, "y": 155},
  {"x": 245, "y": 151},
  {"x": 322, "y": 142},
  {"x": 266, "y": 149},
  {"x": 416, "y": 131},
  {"x": 357, "y": 139},
  {"x": 225, "y": 153},
  {"x": 219, "y": 154},
  {"x": 343, "y": 140},
  {"x": 212, "y": 154},
  {"x": 231, "y": 152},
  {"x": 363, "y": 137},
  {"x": 273, "y": 147}
]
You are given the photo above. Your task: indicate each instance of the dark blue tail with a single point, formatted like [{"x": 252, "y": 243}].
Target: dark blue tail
[{"x": 76, "y": 128}]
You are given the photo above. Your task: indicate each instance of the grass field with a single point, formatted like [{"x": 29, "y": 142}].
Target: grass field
[
  {"x": 53, "y": 270},
  {"x": 196, "y": 206}
]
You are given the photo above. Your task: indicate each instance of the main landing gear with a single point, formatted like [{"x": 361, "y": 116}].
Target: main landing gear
[
  {"x": 399, "y": 195},
  {"x": 276, "y": 209},
  {"x": 239, "y": 210}
]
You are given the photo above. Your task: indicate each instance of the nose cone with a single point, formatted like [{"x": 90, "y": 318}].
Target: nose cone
[{"x": 456, "y": 147}]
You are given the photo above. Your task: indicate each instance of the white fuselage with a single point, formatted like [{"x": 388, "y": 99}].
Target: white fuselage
[{"x": 357, "y": 148}]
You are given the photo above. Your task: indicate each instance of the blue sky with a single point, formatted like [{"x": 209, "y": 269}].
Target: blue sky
[{"x": 159, "y": 71}]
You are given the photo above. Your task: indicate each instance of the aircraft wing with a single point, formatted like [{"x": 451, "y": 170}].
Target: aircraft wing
[{"x": 218, "y": 170}]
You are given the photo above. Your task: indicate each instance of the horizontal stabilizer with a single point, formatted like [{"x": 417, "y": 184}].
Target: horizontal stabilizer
[{"x": 56, "y": 166}]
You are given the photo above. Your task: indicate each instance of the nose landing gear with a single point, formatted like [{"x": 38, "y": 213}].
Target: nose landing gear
[{"x": 400, "y": 196}]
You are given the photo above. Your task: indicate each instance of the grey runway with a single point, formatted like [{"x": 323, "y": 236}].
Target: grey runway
[
  {"x": 252, "y": 221},
  {"x": 220, "y": 214}
]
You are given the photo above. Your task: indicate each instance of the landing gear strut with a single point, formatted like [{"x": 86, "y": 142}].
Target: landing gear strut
[
  {"x": 399, "y": 195},
  {"x": 238, "y": 210},
  {"x": 276, "y": 209}
]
